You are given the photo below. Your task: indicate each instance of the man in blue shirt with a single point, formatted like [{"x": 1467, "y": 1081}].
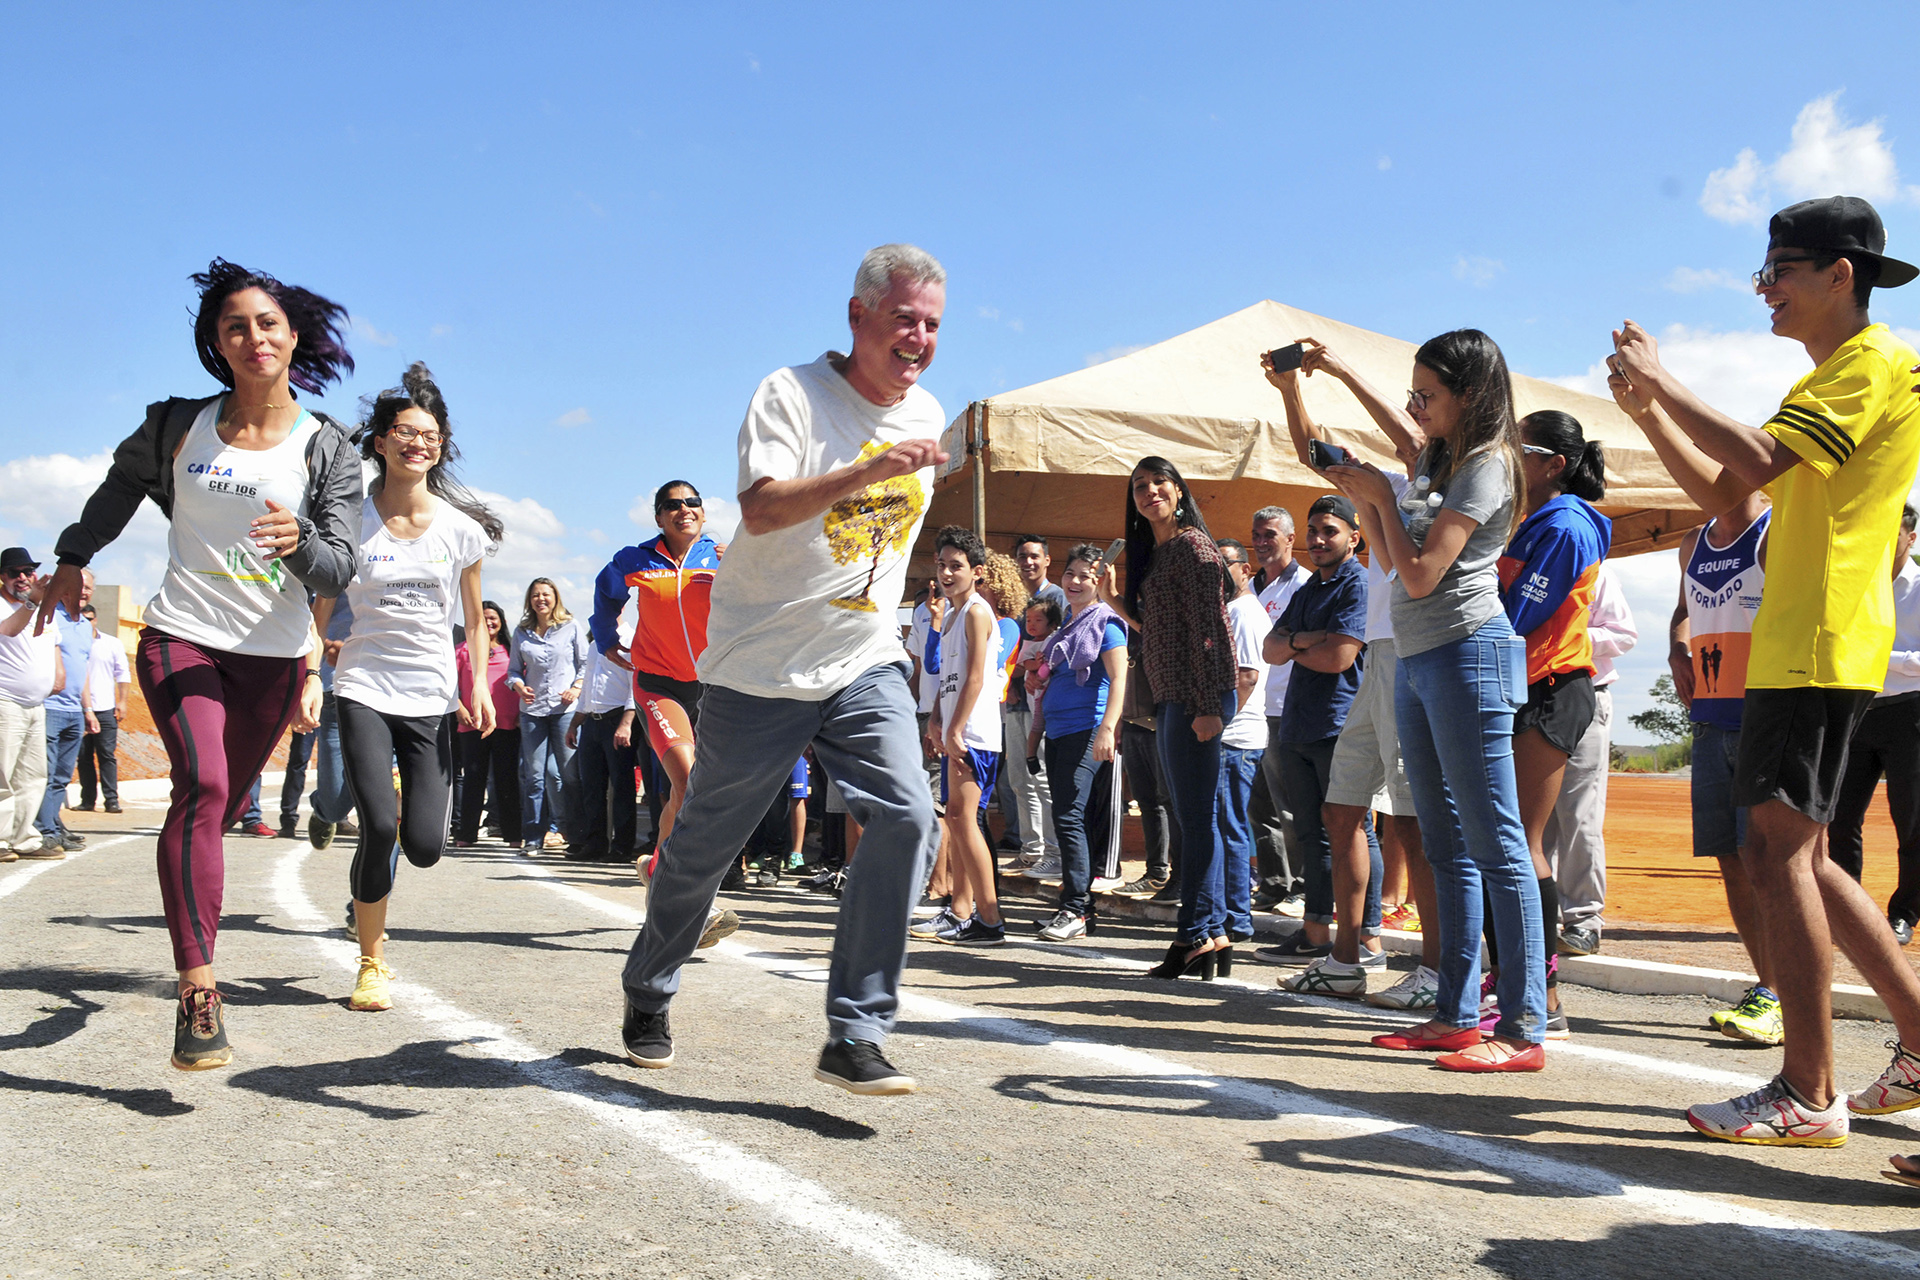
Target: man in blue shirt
[
  {"x": 66, "y": 721},
  {"x": 1321, "y": 634}
]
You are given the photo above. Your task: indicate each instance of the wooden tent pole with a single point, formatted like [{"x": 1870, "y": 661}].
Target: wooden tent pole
[{"x": 977, "y": 446}]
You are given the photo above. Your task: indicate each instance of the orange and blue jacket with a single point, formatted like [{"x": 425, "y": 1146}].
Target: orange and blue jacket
[
  {"x": 671, "y": 631},
  {"x": 1548, "y": 575}
]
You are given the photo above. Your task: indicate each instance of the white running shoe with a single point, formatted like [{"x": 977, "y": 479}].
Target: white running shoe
[
  {"x": 1772, "y": 1116},
  {"x": 1418, "y": 990},
  {"x": 1106, "y": 884},
  {"x": 1897, "y": 1089}
]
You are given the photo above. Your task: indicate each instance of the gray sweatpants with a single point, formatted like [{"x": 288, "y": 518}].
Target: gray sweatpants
[
  {"x": 1574, "y": 844},
  {"x": 865, "y": 737}
]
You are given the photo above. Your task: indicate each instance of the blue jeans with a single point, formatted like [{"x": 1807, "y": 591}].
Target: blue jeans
[
  {"x": 866, "y": 738},
  {"x": 64, "y": 731},
  {"x": 542, "y": 737},
  {"x": 1193, "y": 778},
  {"x": 1455, "y": 708},
  {"x": 1233, "y": 823},
  {"x": 299, "y": 752},
  {"x": 1719, "y": 825},
  {"x": 331, "y": 802},
  {"x": 1306, "y": 768},
  {"x": 1080, "y": 786}
]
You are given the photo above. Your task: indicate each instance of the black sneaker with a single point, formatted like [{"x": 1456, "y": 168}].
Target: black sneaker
[
  {"x": 1295, "y": 950},
  {"x": 1144, "y": 887},
  {"x": 767, "y": 877},
  {"x": 200, "y": 1031},
  {"x": 821, "y": 881},
  {"x": 113, "y": 807},
  {"x": 735, "y": 879},
  {"x": 72, "y": 841},
  {"x": 1168, "y": 892},
  {"x": 289, "y": 828},
  {"x": 977, "y": 933},
  {"x": 319, "y": 834},
  {"x": 648, "y": 1039},
  {"x": 859, "y": 1067}
]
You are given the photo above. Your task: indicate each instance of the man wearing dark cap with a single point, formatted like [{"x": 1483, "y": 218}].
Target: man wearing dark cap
[
  {"x": 30, "y": 669},
  {"x": 1838, "y": 460},
  {"x": 1319, "y": 638}
]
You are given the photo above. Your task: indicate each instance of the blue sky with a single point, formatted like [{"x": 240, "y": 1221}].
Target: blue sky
[{"x": 601, "y": 227}]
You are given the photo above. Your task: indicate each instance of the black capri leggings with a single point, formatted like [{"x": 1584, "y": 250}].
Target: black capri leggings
[{"x": 370, "y": 741}]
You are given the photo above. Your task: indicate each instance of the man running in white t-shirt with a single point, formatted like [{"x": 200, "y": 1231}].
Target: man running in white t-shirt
[{"x": 836, "y": 470}]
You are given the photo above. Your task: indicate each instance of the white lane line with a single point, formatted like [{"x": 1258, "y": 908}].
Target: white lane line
[
  {"x": 17, "y": 879},
  {"x": 1305, "y": 1110},
  {"x": 793, "y": 1200}
]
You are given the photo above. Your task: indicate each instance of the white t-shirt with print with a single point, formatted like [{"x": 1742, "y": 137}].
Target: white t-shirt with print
[
  {"x": 803, "y": 611},
  {"x": 398, "y": 658},
  {"x": 982, "y": 731},
  {"x": 1248, "y": 621},
  {"x": 26, "y": 661},
  {"x": 1273, "y": 602}
]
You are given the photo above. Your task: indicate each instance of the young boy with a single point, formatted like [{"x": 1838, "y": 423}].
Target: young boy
[{"x": 965, "y": 728}]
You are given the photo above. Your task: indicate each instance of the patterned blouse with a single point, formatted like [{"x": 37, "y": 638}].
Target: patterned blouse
[{"x": 1183, "y": 623}]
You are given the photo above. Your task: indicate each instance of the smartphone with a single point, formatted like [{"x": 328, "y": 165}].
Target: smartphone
[
  {"x": 1285, "y": 358},
  {"x": 1114, "y": 549},
  {"x": 1326, "y": 455}
]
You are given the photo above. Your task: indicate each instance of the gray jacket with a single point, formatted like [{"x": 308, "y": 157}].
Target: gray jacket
[{"x": 143, "y": 468}]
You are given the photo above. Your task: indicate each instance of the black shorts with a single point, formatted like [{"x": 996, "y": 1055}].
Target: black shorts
[
  {"x": 1560, "y": 707},
  {"x": 1793, "y": 747}
]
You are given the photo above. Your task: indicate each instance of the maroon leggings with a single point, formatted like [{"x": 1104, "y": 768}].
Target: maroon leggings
[{"x": 219, "y": 715}]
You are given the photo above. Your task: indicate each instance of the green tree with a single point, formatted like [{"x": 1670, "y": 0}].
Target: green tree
[{"x": 1667, "y": 719}]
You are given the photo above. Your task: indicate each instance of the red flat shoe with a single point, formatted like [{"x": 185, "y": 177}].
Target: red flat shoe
[
  {"x": 1465, "y": 1038},
  {"x": 1531, "y": 1058}
]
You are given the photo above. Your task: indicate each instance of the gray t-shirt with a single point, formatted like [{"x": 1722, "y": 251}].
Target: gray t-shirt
[{"x": 1468, "y": 594}]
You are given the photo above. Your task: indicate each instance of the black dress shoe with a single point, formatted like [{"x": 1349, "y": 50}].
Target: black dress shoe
[{"x": 1902, "y": 929}]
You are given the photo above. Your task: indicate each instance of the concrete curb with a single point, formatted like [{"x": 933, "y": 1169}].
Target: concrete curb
[{"x": 1607, "y": 973}]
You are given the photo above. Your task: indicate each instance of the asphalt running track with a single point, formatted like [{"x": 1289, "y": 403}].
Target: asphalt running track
[{"x": 1073, "y": 1120}]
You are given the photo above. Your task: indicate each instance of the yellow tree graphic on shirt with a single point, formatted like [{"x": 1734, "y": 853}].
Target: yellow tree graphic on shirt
[{"x": 871, "y": 523}]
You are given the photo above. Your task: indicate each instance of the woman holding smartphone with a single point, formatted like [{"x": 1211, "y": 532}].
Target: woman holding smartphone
[
  {"x": 1176, "y": 597},
  {"x": 1461, "y": 677},
  {"x": 263, "y": 502}
]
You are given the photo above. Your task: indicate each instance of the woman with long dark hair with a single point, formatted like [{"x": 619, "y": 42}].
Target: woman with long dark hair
[
  {"x": 422, "y": 540},
  {"x": 491, "y": 757},
  {"x": 1461, "y": 677},
  {"x": 547, "y": 668},
  {"x": 263, "y": 500},
  {"x": 1176, "y": 596},
  {"x": 1548, "y": 576}
]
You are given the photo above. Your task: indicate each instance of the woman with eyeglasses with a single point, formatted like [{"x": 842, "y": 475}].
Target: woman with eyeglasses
[
  {"x": 1176, "y": 597},
  {"x": 1461, "y": 676},
  {"x": 673, "y": 573},
  {"x": 546, "y": 671},
  {"x": 263, "y": 500},
  {"x": 396, "y": 685}
]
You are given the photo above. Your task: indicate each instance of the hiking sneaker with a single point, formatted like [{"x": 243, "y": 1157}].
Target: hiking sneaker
[
  {"x": 370, "y": 994},
  {"x": 1328, "y": 977},
  {"x": 1418, "y": 990},
  {"x": 976, "y": 933},
  {"x": 719, "y": 925},
  {"x": 648, "y": 1039},
  {"x": 860, "y": 1067},
  {"x": 1897, "y": 1089},
  {"x": 1144, "y": 887},
  {"x": 1045, "y": 869},
  {"x": 1772, "y": 1116},
  {"x": 1756, "y": 1018},
  {"x": 200, "y": 1031},
  {"x": 936, "y": 924}
]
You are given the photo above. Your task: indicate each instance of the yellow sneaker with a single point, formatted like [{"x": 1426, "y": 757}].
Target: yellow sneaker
[{"x": 370, "y": 991}]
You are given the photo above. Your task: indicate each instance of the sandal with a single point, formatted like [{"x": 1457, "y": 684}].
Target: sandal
[{"x": 1909, "y": 1176}]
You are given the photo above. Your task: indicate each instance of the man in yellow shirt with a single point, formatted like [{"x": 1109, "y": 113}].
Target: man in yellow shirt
[{"x": 1838, "y": 460}]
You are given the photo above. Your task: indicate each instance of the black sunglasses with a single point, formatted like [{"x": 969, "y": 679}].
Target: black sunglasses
[{"x": 674, "y": 504}]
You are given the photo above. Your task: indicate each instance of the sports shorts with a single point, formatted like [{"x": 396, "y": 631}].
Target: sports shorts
[
  {"x": 671, "y": 709},
  {"x": 1793, "y": 747},
  {"x": 985, "y": 766},
  {"x": 1561, "y": 707}
]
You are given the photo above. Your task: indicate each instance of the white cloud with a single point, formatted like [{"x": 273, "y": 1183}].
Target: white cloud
[
  {"x": 1650, "y": 584},
  {"x": 1744, "y": 374},
  {"x": 44, "y": 495},
  {"x": 535, "y": 547},
  {"x": 1478, "y": 272},
  {"x": 1694, "y": 279},
  {"x": 573, "y": 418},
  {"x": 1827, "y": 156},
  {"x": 1111, "y": 353},
  {"x": 1384, "y": 163},
  {"x": 988, "y": 313},
  {"x": 363, "y": 329}
]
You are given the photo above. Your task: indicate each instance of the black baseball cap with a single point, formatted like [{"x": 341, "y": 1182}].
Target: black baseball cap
[
  {"x": 1334, "y": 504},
  {"x": 1839, "y": 224}
]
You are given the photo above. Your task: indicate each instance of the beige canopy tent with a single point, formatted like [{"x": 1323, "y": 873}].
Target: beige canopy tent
[{"x": 1053, "y": 458}]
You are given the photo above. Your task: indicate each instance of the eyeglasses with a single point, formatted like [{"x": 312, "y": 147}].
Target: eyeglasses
[
  {"x": 1234, "y": 563},
  {"x": 1765, "y": 277},
  {"x": 1542, "y": 450},
  {"x": 407, "y": 435},
  {"x": 1418, "y": 400},
  {"x": 674, "y": 504}
]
